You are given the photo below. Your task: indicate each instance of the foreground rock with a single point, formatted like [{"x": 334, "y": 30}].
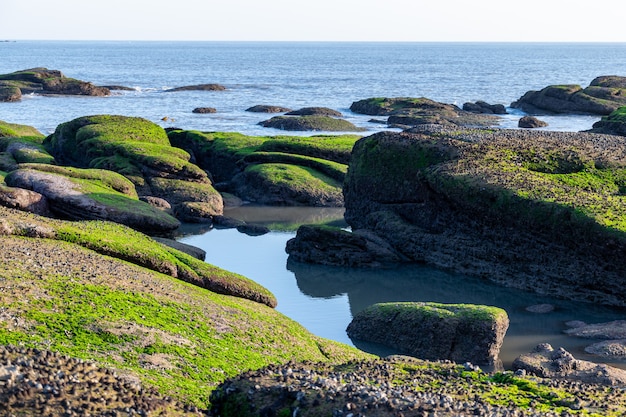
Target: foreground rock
[
  {"x": 456, "y": 332},
  {"x": 91, "y": 195},
  {"x": 613, "y": 124},
  {"x": 337, "y": 247},
  {"x": 604, "y": 95},
  {"x": 517, "y": 204},
  {"x": 406, "y": 112},
  {"x": 547, "y": 362},
  {"x": 45, "y": 81},
  {"x": 402, "y": 386}
]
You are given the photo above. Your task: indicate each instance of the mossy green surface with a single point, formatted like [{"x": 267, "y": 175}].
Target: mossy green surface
[
  {"x": 176, "y": 337},
  {"x": 438, "y": 310},
  {"x": 17, "y": 131},
  {"x": 311, "y": 123}
]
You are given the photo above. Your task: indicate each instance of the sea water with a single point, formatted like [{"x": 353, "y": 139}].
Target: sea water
[{"x": 331, "y": 75}]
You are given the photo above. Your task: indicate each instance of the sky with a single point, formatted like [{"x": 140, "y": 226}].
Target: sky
[{"x": 316, "y": 20}]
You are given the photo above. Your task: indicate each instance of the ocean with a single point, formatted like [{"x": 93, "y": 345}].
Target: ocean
[
  {"x": 333, "y": 75},
  {"x": 296, "y": 75}
]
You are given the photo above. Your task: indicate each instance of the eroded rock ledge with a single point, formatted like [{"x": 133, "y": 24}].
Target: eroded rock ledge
[{"x": 540, "y": 211}]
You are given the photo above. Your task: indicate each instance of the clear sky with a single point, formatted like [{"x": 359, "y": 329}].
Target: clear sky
[{"x": 315, "y": 20}]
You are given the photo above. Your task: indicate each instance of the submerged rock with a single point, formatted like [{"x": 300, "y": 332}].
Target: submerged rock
[
  {"x": 204, "y": 110},
  {"x": 198, "y": 87},
  {"x": 456, "y": 332}
]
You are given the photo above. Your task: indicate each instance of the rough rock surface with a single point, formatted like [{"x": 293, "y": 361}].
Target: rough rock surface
[
  {"x": 612, "y": 330},
  {"x": 45, "y": 81},
  {"x": 456, "y": 332},
  {"x": 334, "y": 246},
  {"x": 531, "y": 122},
  {"x": 67, "y": 199},
  {"x": 547, "y": 362},
  {"x": 310, "y": 123},
  {"x": 24, "y": 200},
  {"x": 406, "y": 112},
  {"x": 490, "y": 195},
  {"x": 315, "y": 111},
  {"x": 484, "y": 107},
  {"x": 604, "y": 95},
  {"x": 194, "y": 251},
  {"x": 266, "y": 108},
  {"x": 613, "y": 124}
]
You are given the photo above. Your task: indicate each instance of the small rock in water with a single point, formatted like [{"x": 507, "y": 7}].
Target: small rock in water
[{"x": 540, "y": 308}]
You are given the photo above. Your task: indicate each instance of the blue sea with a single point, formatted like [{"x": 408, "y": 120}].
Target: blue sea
[
  {"x": 333, "y": 75},
  {"x": 296, "y": 75}
]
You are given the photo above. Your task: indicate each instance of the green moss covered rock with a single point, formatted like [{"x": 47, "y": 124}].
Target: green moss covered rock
[
  {"x": 604, "y": 95},
  {"x": 138, "y": 149},
  {"x": 311, "y": 123},
  {"x": 613, "y": 124},
  {"x": 280, "y": 170},
  {"x": 456, "y": 332},
  {"x": 541, "y": 211},
  {"x": 45, "y": 81}
]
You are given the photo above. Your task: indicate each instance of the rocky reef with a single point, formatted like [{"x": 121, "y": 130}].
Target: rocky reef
[
  {"x": 604, "y": 95},
  {"x": 45, "y": 81},
  {"x": 613, "y": 124},
  {"x": 540, "y": 211}
]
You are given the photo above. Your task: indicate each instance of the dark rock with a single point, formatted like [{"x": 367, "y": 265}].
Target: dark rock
[
  {"x": 224, "y": 222},
  {"x": 204, "y": 110},
  {"x": 406, "y": 112},
  {"x": 118, "y": 88},
  {"x": 311, "y": 123},
  {"x": 194, "y": 251},
  {"x": 9, "y": 93},
  {"x": 333, "y": 246},
  {"x": 45, "y": 81},
  {"x": 315, "y": 111},
  {"x": 24, "y": 200},
  {"x": 530, "y": 122},
  {"x": 434, "y": 194},
  {"x": 433, "y": 331},
  {"x": 604, "y": 95},
  {"x": 613, "y": 124},
  {"x": 196, "y": 212},
  {"x": 484, "y": 107},
  {"x": 546, "y": 362},
  {"x": 264, "y": 108},
  {"x": 199, "y": 87},
  {"x": 253, "y": 229}
]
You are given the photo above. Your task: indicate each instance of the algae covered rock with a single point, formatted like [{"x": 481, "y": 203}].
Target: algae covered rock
[
  {"x": 91, "y": 194},
  {"x": 456, "y": 332},
  {"x": 604, "y": 95},
  {"x": 45, "y": 81},
  {"x": 407, "y": 112},
  {"x": 613, "y": 124},
  {"x": 267, "y": 108},
  {"x": 536, "y": 210},
  {"x": 138, "y": 149},
  {"x": 273, "y": 170},
  {"x": 312, "y": 123}
]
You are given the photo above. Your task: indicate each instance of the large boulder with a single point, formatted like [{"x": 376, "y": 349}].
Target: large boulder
[
  {"x": 604, "y": 95},
  {"x": 138, "y": 149},
  {"x": 334, "y": 246},
  {"x": 405, "y": 112},
  {"x": 79, "y": 194},
  {"x": 456, "y": 332},
  {"x": 530, "y": 122},
  {"x": 536, "y": 210},
  {"x": 546, "y": 362},
  {"x": 24, "y": 200},
  {"x": 484, "y": 107},
  {"x": 45, "y": 81}
]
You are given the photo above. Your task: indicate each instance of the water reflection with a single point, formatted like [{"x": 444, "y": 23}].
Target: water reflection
[{"x": 324, "y": 299}]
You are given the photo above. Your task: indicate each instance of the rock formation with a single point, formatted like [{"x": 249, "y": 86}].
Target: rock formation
[
  {"x": 311, "y": 123},
  {"x": 604, "y": 95},
  {"x": 513, "y": 206},
  {"x": 613, "y": 124},
  {"x": 45, "y": 81},
  {"x": 530, "y": 122},
  {"x": 315, "y": 111},
  {"x": 265, "y": 108},
  {"x": 456, "y": 332},
  {"x": 198, "y": 87},
  {"x": 484, "y": 107}
]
